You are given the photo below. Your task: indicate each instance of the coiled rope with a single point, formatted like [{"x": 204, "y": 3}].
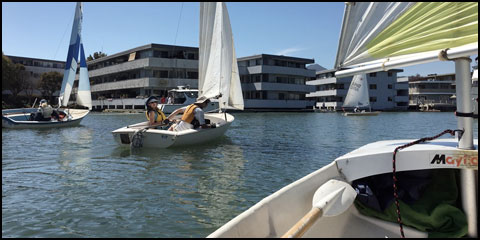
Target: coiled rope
[
  {"x": 137, "y": 138},
  {"x": 395, "y": 195}
]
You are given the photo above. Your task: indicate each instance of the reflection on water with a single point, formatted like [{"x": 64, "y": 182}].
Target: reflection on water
[{"x": 77, "y": 182}]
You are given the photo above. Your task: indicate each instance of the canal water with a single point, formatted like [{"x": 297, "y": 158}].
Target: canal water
[{"x": 77, "y": 182}]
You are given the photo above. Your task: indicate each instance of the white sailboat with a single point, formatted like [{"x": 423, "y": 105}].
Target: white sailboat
[
  {"x": 375, "y": 37},
  {"x": 72, "y": 116},
  {"x": 358, "y": 97},
  {"x": 218, "y": 75}
]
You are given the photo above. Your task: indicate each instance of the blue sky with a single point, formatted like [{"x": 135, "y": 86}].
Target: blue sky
[{"x": 307, "y": 30}]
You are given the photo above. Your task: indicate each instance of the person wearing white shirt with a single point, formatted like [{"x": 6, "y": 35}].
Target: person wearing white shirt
[{"x": 193, "y": 116}]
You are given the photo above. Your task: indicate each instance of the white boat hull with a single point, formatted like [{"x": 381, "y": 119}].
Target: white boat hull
[
  {"x": 20, "y": 120},
  {"x": 276, "y": 214},
  {"x": 361, "y": 113},
  {"x": 156, "y": 138}
]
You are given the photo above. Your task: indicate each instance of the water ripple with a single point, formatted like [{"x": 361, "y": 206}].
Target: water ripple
[{"x": 77, "y": 182}]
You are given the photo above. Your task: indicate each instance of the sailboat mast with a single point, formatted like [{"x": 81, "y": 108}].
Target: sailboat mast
[
  {"x": 464, "y": 102},
  {"x": 220, "y": 13},
  {"x": 465, "y": 122}
]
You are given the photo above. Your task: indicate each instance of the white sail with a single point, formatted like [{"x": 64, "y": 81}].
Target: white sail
[
  {"x": 357, "y": 95},
  {"x": 218, "y": 69},
  {"x": 84, "y": 95},
  {"x": 381, "y": 34},
  {"x": 72, "y": 57}
]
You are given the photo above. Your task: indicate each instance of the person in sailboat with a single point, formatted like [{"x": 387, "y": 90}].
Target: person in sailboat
[
  {"x": 193, "y": 116},
  {"x": 154, "y": 115},
  {"x": 45, "y": 112}
]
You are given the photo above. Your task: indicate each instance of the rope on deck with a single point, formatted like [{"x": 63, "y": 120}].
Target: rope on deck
[{"x": 395, "y": 195}]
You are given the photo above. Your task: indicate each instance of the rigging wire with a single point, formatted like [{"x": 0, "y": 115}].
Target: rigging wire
[
  {"x": 178, "y": 24},
  {"x": 175, "y": 43},
  {"x": 61, "y": 40}
]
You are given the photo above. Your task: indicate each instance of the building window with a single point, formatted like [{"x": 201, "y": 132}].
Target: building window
[
  {"x": 390, "y": 74},
  {"x": 373, "y": 74},
  {"x": 390, "y": 99},
  {"x": 192, "y": 75},
  {"x": 373, "y": 86},
  {"x": 390, "y": 86},
  {"x": 373, "y": 99}
]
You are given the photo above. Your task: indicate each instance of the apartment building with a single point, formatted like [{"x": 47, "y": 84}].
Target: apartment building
[
  {"x": 124, "y": 80},
  {"x": 273, "y": 82},
  {"x": 434, "y": 91},
  {"x": 34, "y": 68},
  {"x": 386, "y": 93}
]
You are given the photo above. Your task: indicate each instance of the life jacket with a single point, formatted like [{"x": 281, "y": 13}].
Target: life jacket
[
  {"x": 189, "y": 113},
  {"x": 159, "y": 116}
]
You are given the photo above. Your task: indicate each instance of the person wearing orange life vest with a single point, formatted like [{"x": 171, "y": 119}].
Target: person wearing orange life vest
[
  {"x": 193, "y": 115},
  {"x": 154, "y": 115}
]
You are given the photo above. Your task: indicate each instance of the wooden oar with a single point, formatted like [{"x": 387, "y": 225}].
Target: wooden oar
[{"x": 331, "y": 199}]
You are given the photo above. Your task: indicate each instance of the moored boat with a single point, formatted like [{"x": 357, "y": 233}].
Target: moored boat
[{"x": 184, "y": 96}]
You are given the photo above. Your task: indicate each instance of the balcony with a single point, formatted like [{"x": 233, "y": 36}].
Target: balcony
[
  {"x": 277, "y": 70},
  {"x": 145, "y": 63},
  {"x": 166, "y": 83},
  {"x": 278, "y": 104},
  {"x": 326, "y": 93},
  {"x": 267, "y": 86}
]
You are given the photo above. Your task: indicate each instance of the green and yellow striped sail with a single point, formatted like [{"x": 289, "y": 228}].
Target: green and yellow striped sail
[{"x": 376, "y": 31}]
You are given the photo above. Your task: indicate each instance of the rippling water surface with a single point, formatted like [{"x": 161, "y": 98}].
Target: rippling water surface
[{"x": 77, "y": 182}]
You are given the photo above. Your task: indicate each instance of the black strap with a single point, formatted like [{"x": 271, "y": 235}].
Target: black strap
[{"x": 460, "y": 114}]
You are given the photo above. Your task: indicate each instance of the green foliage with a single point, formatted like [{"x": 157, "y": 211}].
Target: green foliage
[
  {"x": 7, "y": 71},
  {"x": 49, "y": 83},
  {"x": 96, "y": 55},
  {"x": 14, "y": 79}
]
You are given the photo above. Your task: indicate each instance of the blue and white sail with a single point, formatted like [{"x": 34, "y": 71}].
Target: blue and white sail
[
  {"x": 84, "y": 96},
  {"x": 75, "y": 47}
]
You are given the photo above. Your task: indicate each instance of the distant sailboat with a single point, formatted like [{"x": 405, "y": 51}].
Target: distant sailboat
[
  {"x": 358, "y": 97},
  {"x": 218, "y": 76},
  {"x": 72, "y": 116}
]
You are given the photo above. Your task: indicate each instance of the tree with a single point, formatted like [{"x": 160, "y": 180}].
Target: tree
[
  {"x": 49, "y": 83},
  {"x": 17, "y": 80},
  {"x": 96, "y": 55},
  {"x": 7, "y": 70}
]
